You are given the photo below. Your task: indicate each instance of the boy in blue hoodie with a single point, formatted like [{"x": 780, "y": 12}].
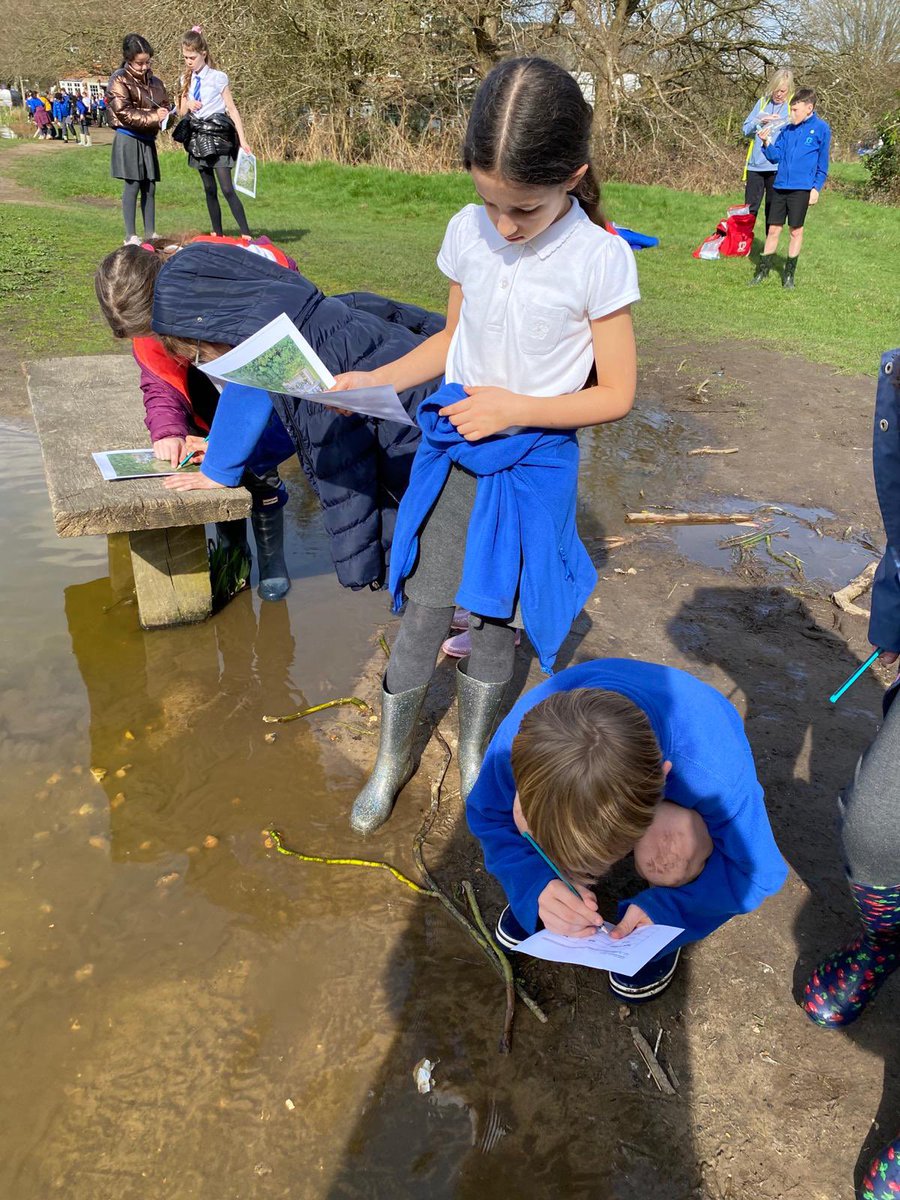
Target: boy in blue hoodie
[
  {"x": 613, "y": 757},
  {"x": 801, "y": 152}
]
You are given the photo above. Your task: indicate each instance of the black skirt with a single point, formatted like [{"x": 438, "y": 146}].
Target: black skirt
[{"x": 133, "y": 159}]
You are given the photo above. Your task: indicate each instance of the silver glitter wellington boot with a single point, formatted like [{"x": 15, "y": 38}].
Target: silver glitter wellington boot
[
  {"x": 479, "y": 703},
  {"x": 393, "y": 766}
]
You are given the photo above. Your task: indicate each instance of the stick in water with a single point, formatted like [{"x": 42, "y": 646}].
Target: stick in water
[{"x": 833, "y": 699}]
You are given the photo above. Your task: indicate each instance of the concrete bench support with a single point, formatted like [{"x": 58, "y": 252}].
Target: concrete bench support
[
  {"x": 171, "y": 575},
  {"x": 93, "y": 403}
]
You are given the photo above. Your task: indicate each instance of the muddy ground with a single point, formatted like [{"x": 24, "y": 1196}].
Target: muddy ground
[
  {"x": 769, "y": 1106},
  {"x": 208, "y": 991}
]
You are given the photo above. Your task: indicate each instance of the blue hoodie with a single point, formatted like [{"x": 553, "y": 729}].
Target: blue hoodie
[
  {"x": 713, "y": 771},
  {"x": 522, "y": 538},
  {"x": 801, "y": 152}
]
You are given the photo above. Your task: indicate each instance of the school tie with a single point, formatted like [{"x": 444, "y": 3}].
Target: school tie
[{"x": 196, "y": 87}]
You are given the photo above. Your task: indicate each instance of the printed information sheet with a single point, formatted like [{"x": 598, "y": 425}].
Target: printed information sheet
[
  {"x": 135, "y": 464},
  {"x": 279, "y": 359}
]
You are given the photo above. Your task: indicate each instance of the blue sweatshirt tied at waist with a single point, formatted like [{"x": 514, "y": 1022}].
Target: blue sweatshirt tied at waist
[
  {"x": 522, "y": 539},
  {"x": 801, "y": 152},
  {"x": 713, "y": 772}
]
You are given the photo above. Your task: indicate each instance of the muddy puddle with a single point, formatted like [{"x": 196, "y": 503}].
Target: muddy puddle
[
  {"x": 185, "y": 1013},
  {"x": 793, "y": 543},
  {"x": 644, "y": 463}
]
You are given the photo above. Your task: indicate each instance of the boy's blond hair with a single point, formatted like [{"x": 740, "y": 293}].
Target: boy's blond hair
[{"x": 589, "y": 772}]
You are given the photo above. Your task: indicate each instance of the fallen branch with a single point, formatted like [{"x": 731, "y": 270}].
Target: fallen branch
[
  {"x": 461, "y": 919},
  {"x": 660, "y": 1078},
  {"x": 278, "y": 843},
  {"x": 846, "y": 595},
  {"x": 478, "y": 932},
  {"x": 745, "y": 541},
  {"x": 307, "y": 712},
  {"x": 506, "y": 1038},
  {"x": 689, "y": 518},
  {"x": 711, "y": 450}
]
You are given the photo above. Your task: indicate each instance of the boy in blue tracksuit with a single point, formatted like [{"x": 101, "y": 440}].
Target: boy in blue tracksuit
[
  {"x": 801, "y": 153},
  {"x": 613, "y": 757}
]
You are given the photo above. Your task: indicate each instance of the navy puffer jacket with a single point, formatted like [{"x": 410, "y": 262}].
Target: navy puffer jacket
[{"x": 358, "y": 467}]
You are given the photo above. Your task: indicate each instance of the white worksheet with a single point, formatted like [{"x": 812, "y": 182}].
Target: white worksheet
[
  {"x": 625, "y": 957},
  {"x": 278, "y": 358}
]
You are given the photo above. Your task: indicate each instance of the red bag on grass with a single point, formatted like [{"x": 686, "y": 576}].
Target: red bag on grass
[{"x": 733, "y": 237}]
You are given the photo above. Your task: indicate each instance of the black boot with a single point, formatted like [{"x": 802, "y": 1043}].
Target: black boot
[
  {"x": 229, "y": 561},
  {"x": 790, "y": 269},
  {"x": 268, "y": 529},
  {"x": 763, "y": 267}
]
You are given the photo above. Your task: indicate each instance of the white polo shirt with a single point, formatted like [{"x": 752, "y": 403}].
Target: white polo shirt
[
  {"x": 212, "y": 84},
  {"x": 527, "y": 306}
]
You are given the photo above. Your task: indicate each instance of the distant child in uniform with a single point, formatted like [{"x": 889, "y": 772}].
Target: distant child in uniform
[
  {"x": 216, "y": 130},
  {"x": 540, "y": 292},
  {"x": 614, "y": 757},
  {"x": 801, "y": 152}
]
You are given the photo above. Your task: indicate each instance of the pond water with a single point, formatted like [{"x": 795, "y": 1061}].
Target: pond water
[{"x": 184, "y": 1012}]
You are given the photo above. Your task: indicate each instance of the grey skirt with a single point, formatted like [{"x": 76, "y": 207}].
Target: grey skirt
[
  {"x": 437, "y": 573},
  {"x": 210, "y": 163},
  {"x": 132, "y": 159}
]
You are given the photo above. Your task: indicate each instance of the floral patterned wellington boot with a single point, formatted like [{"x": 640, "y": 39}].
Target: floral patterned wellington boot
[
  {"x": 882, "y": 1180},
  {"x": 841, "y": 986}
]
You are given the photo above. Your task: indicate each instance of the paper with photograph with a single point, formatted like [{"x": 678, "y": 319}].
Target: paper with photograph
[
  {"x": 245, "y": 174},
  {"x": 135, "y": 464},
  {"x": 625, "y": 957},
  {"x": 278, "y": 358}
]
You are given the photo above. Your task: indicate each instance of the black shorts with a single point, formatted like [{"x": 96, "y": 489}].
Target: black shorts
[{"x": 791, "y": 204}]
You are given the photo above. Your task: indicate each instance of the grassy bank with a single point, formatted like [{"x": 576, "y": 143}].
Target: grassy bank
[{"x": 365, "y": 228}]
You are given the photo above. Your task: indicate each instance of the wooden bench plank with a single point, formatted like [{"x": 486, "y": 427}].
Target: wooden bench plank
[{"x": 94, "y": 403}]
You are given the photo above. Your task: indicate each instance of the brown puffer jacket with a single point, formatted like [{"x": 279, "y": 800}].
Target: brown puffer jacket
[{"x": 132, "y": 101}]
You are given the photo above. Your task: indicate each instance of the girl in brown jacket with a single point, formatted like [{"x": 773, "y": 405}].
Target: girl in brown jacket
[{"x": 138, "y": 105}]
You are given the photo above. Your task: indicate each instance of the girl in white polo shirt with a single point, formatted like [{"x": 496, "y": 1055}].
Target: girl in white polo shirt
[
  {"x": 539, "y": 334},
  {"x": 216, "y": 128}
]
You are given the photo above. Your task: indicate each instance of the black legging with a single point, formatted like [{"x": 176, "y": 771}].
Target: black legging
[
  {"x": 147, "y": 189},
  {"x": 222, "y": 172},
  {"x": 418, "y": 643}
]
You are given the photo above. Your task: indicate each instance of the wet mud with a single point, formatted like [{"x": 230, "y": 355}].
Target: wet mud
[{"x": 187, "y": 1014}]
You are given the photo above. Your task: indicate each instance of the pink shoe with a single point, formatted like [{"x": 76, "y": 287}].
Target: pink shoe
[
  {"x": 460, "y": 619},
  {"x": 461, "y": 645}
]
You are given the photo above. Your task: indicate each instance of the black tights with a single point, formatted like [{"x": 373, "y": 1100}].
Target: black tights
[
  {"x": 147, "y": 189},
  {"x": 418, "y": 643},
  {"x": 222, "y": 172}
]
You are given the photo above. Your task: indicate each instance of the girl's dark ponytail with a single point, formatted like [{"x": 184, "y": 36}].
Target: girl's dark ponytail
[
  {"x": 531, "y": 124},
  {"x": 587, "y": 193}
]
